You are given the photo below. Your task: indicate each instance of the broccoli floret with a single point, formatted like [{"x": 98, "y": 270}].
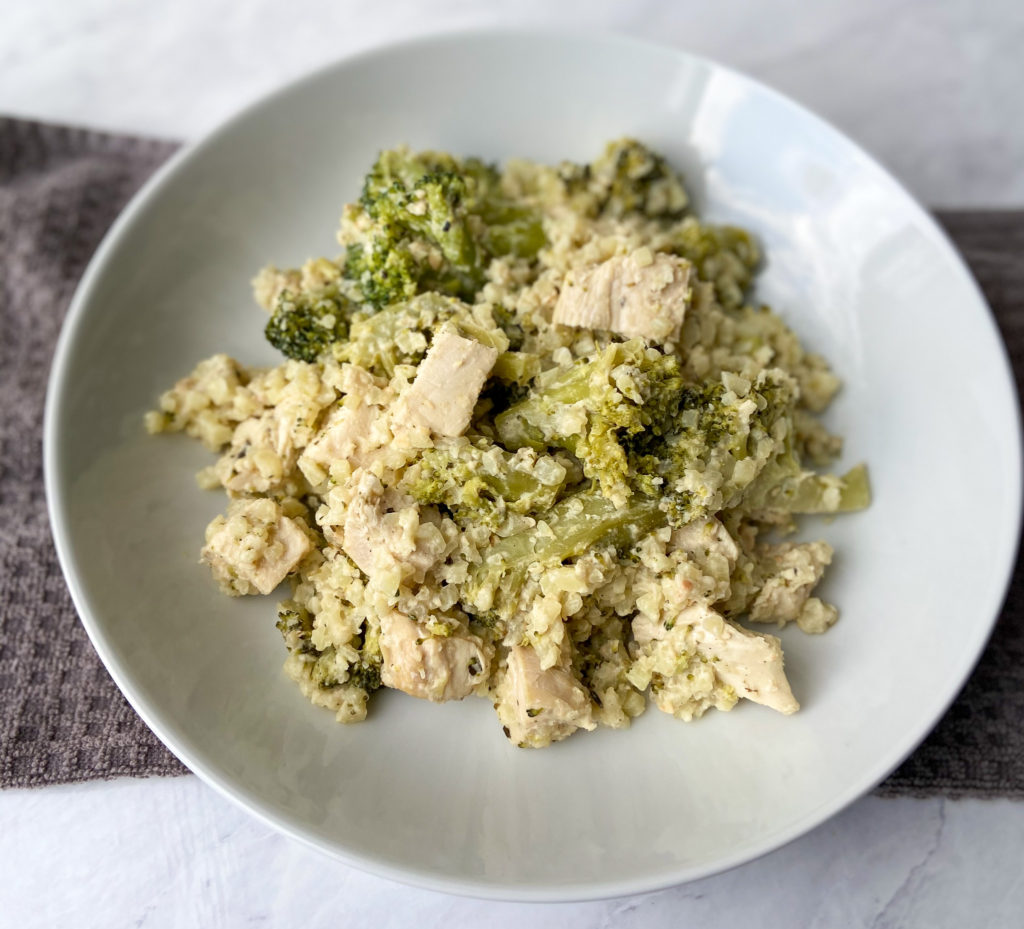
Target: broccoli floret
[
  {"x": 725, "y": 257},
  {"x": 592, "y": 405},
  {"x": 305, "y": 325},
  {"x": 327, "y": 668},
  {"x": 510, "y": 325},
  {"x": 627, "y": 178},
  {"x": 581, "y": 522},
  {"x": 385, "y": 272},
  {"x": 366, "y": 676},
  {"x": 482, "y": 483},
  {"x": 638, "y": 180},
  {"x": 510, "y": 227},
  {"x": 401, "y": 333},
  {"x": 434, "y": 223},
  {"x": 728, "y": 442},
  {"x": 705, "y": 454},
  {"x": 418, "y": 239},
  {"x": 366, "y": 672},
  {"x": 296, "y": 627}
]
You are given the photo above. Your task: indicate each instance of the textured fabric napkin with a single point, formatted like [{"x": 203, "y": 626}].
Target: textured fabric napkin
[{"x": 61, "y": 717}]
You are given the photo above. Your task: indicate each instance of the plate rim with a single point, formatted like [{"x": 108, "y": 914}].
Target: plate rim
[{"x": 177, "y": 741}]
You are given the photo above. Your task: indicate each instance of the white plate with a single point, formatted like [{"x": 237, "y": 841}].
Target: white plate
[{"x": 434, "y": 795}]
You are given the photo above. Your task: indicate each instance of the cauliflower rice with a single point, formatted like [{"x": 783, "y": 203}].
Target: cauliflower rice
[{"x": 530, "y": 442}]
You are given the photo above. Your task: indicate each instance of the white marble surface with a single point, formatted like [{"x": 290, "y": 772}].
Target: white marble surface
[
  {"x": 931, "y": 87},
  {"x": 171, "y": 853}
]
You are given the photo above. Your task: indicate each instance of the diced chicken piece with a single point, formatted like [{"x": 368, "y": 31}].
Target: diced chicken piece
[
  {"x": 385, "y": 546},
  {"x": 447, "y": 385},
  {"x": 749, "y": 662},
  {"x": 431, "y": 667},
  {"x": 254, "y": 547},
  {"x": 793, "y": 570},
  {"x": 265, "y": 448},
  {"x": 356, "y": 431},
  {"x": 699, "y": 660},
  {"x": 538, "y": 707},
  {"x": 641, "y": 295},
  {"x": 256, "y": 462},
  {"x": 703, "y": 537},
  {"x": 347, "y": 436},
  {"x": 709, "y": 546}
]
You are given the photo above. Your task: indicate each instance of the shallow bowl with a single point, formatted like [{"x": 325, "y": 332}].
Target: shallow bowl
[{"x": 434, "y": 795}]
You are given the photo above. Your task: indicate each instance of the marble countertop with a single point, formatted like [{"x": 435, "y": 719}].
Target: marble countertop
[
  {"x": 932, "y": 88},
  {"x": 171, "y": 852}
]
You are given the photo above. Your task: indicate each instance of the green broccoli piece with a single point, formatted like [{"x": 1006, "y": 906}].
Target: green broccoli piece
[
  {"x": 366, "y": 672},
  {"x": 581, "y": 522},
  {"x": 591, "y": 406},
  {"x": 724, "y": 256},
  {"x": 327, "y": 668},
  {"x": 785, "y": 487},
  {"x": 482, "y": 483},
  {"x": 703, "y": 456},
  {"x": 728, "y": 442},
  {"x": 296, "y": 627},
  {"x": 516, "y": 367},
  {"x": 627, "y": 178},
  {"x": 419, "y": 238},
  {"x": 305, "y": 325},
  {"x": 638, "y": 181},
  {"x": 510, "y": 227},
  {"x": 401, "y": 333},
  {"x": 434, "y": 223},
  {"x": 510, "y": 325},
  {"x": 385, "y": 270}
]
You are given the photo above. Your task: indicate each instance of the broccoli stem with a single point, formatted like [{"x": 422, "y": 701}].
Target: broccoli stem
[
  {"x": 483, "y": 482},
  {"x": 592, "y": 407},
  {"x": 579, "y": 523},
  {"x": 805, "y": 492}
]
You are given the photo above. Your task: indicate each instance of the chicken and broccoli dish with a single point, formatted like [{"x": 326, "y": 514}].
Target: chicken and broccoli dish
[{"x": 529, "y": 441}]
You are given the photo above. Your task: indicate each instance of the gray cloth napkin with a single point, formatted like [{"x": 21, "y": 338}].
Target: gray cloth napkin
[{"x": 61, "y": 717}]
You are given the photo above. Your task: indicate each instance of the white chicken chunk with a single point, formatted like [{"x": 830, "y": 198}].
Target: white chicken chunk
[
  {"x": 431, "y": 667},
  {"x": 447, "y": 385},
  {"x": 264, "y": 449},
  {"x": 793, "y": 570},
  {"x": 748, "y": 662},
  {"x": 538, "y": 707},
  {"x": 254, "y": 547},
  {"x": 699, "y": 660},
  {"x": 257, "y": 461},
  {"x": 708, "y": 545},
  {"x": 640, "y": 295},
  {"x": 359, "y": 431},
  {"x": 348, "y": 435},
  {"x": 384, "y": 544},
  {"x": 702, "y": 538}
]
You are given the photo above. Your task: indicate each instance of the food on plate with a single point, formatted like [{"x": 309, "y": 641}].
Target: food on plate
[{"x": 530, "y": 441}]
